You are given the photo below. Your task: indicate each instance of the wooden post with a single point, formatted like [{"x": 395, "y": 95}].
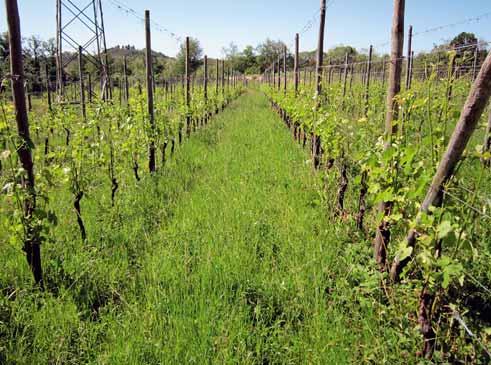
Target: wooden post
[
  {"x": 217, "y": 83},
  {"x": 411, "y": 70},
  {"x": 81, "y": 81},
  {"x": 149, "y": 71},
  {"x": 409, "y": 53},
  {"x": 205, "y": 86},
  {"x": 382, "y": 238},
  {"x": 351, "y": 71},
  {"x": 187, "y": 93},
  {"x": 89, "y": 87},
  {"x": 223, "y": 78},
  {"x": 325, "y": 75},
  {"x": 329, "y": 69},
  {"x": 297, "y": 62},
  {"x": 285, "y": 75},
  {"x": 48, "y": 89},
  {"x": 279, "y": 73},
  {"x": 121, "y": 87},
  {"x": 32, "y": 240},
  {"x": 125, "y": 76},
  {"x": 316, "y": 141},
  {"x": 296, "y": 78},
  {"x": 205, "y": 79},
  {"x": 367, "y": 82},
  {"x": 274, "y": 74},
  {"x": 345, "y": 74}
]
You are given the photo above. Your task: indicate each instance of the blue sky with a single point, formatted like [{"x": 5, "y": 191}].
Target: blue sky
[{"x": 216, "y": 23}]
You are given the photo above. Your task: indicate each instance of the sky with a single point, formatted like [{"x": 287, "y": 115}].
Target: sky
[{"x": 217, "y": 23}]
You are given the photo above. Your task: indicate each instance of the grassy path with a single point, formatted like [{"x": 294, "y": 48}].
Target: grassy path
[
  {"x": 227, "y": 256},
  {"x": 241, "y": 271}
]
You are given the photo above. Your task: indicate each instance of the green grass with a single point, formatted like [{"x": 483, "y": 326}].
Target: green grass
[{"x": 226, "y": 256}]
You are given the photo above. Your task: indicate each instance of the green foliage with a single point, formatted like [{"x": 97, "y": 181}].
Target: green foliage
[
  {"x": 244, "y": 62},
  {"x": 464, "y": 39},
  {"x": 195, "y": 57},
  {"x": 84, "y": 280},
  {"x": 338, "y": 54},
  {"x": 268, "y": 52},
  {"x": 231, "y": 253},
  {"x": 399, "y": 170}
]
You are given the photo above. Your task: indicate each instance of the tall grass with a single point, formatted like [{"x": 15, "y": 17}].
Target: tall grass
[{"x": 226, "y": 256}]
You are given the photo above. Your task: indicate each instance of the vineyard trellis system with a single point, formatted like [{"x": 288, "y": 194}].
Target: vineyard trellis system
[
  {"x": 408, "y": 141},
  {"x": 106, "y": 136},
  {"x": 396, "y": 164}
]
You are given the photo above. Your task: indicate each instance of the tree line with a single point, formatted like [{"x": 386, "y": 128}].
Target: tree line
[{"x": 249, "y": 61}]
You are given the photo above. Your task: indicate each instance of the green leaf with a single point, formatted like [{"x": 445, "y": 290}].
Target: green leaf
[
  {"x": 387, "y": 195},
  {"x": 444, "y": 229},
  {"x": 404, "y": 252},
  {"x": 446, "y": 280},
  {"x": 425, "y": 258}
]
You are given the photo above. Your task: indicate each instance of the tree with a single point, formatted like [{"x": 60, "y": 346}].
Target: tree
[
  {"x": 195, "y": 56},
  {"x": 465, "y": 46},
  {"x": 49, "y": 49},
  {"x": 268, "y": 52},
  {"x": 337, "y": 54},
  {"x": 248, "y": 60},
  {"x": 465, "y": 40},
  {"x": 243, "y": 62},
  {"x": 35, "y": 51},
  {"x": 231, "y": 52}
]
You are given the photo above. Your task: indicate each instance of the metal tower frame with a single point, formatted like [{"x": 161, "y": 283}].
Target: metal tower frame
[{"x": 91, "y": 17}]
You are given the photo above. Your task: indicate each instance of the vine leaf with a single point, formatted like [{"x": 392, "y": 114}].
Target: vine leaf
[{"x": 444, "y": 229}]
